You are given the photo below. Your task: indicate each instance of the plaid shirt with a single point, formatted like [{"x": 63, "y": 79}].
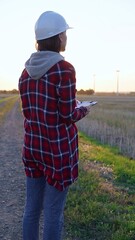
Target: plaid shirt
[{"x": 51, "y": 140}]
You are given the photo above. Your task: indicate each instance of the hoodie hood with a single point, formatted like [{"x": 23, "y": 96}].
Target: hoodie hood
[{"x": 40, "y": 62}]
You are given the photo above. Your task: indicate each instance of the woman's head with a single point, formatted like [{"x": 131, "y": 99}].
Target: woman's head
[
  {"x": 56, "y": 43},
  {"x": 50, "y": 32}
]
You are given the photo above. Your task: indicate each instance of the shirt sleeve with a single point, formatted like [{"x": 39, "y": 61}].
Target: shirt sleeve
[{"x": 67, "y": 98}]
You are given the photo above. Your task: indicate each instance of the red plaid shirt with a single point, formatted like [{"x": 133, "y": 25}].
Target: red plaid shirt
[{"x": 51, "y": 141}]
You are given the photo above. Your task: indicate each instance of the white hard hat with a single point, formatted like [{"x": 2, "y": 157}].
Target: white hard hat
[{"x": 50, "y": 24}]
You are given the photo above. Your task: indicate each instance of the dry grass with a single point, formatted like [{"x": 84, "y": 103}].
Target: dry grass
[
  {"x": 112, "y": 121},
  {"x": 6, "y": 103}
]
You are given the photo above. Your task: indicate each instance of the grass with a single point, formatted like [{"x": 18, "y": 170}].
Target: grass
[
  {"x": 6, "y": 103},
  {"x": 100, "y": 204},
  {"x": 112, "y": 121}
]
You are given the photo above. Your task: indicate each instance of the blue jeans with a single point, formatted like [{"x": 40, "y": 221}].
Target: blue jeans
[{"x": 40, "y": 195}]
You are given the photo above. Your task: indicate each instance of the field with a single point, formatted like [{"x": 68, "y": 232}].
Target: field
[
  {"x": 100, "y": 205},
  {"x": 112, "y": 121}
]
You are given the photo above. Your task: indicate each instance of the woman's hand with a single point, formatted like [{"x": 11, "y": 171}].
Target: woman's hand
[{"x": 88, "y": 109}]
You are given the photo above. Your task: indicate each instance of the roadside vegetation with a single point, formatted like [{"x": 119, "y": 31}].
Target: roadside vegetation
[
  {"x": 6, "y": 103},
  {"x": 100, "y": 204}
]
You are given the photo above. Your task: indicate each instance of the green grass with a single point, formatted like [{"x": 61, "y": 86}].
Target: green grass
[
  {"x": 100, "y": 204},
  {"x": 6, "y": 103}
]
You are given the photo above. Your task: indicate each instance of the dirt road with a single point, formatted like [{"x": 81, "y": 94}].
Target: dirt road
[{"x": 12, "y": 177}]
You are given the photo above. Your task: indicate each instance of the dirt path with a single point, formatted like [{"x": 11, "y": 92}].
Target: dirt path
[{"x": 12, "y": 178}]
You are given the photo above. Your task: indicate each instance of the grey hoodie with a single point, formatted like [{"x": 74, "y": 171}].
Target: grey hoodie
[{"x": 40, "y": 62}]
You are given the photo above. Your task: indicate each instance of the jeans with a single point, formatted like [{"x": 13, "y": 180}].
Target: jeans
[{"x": 40, "y": 195}]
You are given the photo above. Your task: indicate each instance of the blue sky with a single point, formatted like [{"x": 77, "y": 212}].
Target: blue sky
[{"x": 102, "y": 40}]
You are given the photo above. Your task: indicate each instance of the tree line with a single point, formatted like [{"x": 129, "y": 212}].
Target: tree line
[
  {"x": 14, "y": 91},
  {"x": 79, "y": 92},
  {"x": 83, "y": 92}
]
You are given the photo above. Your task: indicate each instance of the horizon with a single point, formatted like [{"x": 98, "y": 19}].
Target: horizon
[{"x": 6, "y": 91}]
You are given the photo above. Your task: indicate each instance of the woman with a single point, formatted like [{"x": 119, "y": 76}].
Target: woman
[{"x": 50, "y": 152}]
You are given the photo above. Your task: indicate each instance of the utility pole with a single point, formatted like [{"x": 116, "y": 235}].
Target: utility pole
[
  {"x": 117, "y": 71},
  {"x": 94, "y": 82}
]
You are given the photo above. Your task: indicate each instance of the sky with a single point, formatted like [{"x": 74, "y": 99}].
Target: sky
[{"x": 101, "y": 45}]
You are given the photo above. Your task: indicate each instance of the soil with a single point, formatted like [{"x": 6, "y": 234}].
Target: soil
[{"x": 12, "y": 177}]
